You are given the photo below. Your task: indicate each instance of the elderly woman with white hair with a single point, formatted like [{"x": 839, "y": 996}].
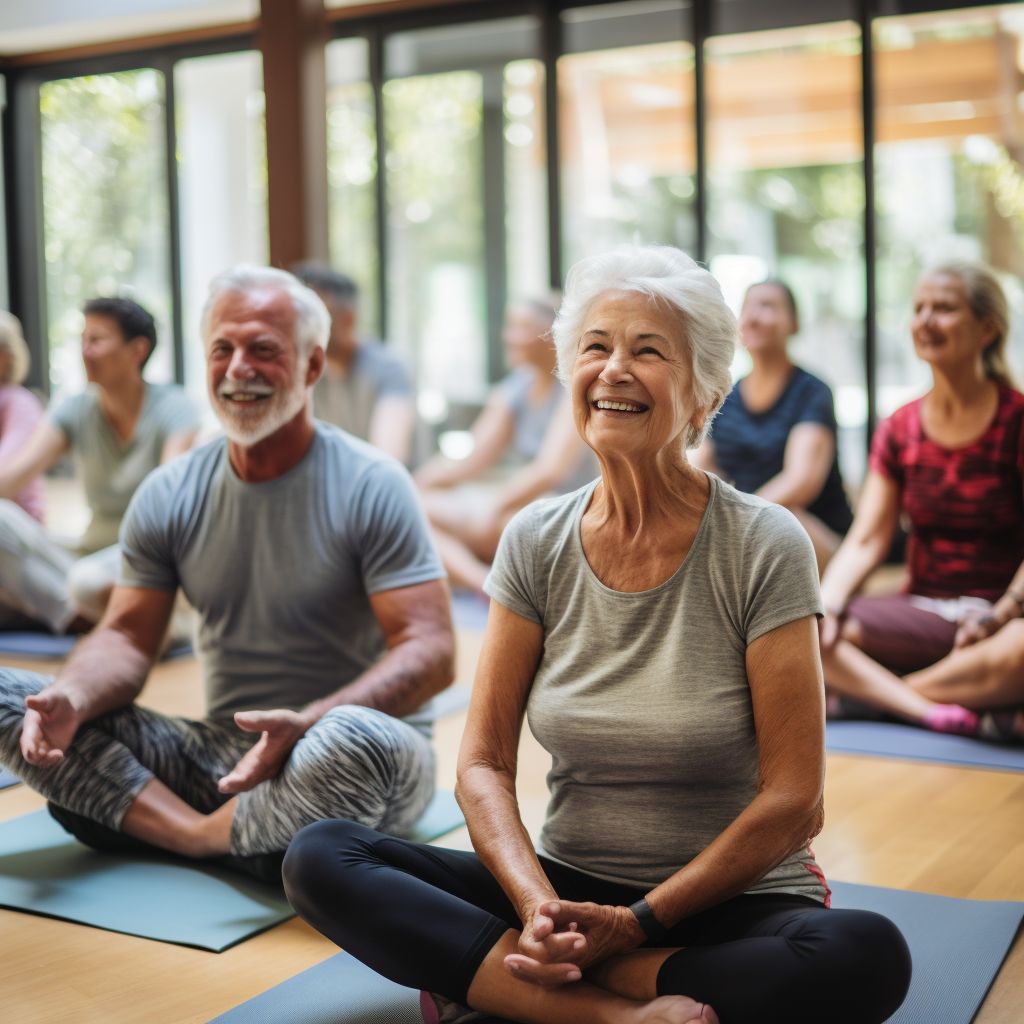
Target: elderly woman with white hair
[
  {"x": 20, "y": 411},
  {"x": 659, "y": 629}
]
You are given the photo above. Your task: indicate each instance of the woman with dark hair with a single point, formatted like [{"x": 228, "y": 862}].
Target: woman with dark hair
[
  {"x": 952, "y": 464},
  {"x": 776, "y": 433}
]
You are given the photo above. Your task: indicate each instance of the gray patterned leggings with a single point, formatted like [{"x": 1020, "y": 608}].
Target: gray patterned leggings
[{"x": 353, "y": 763}]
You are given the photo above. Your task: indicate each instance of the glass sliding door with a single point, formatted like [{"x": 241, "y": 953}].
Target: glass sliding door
[
  {"x": 464, "y": 179},
  {"x": 627, "y": 140},
  {"x": 786, "y": 195},
  {"x": 948, "y": 165},
  {"x": 105, "y": 208}
]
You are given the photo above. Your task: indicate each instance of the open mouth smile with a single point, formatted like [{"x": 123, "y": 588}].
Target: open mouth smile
[{"x": 606, "y": 405}]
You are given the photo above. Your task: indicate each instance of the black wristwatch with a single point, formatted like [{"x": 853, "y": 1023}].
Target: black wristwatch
[{"x": 652, "y": 927}]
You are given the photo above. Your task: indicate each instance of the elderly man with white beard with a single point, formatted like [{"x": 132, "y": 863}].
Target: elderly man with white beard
[{"x": 323, "y": 623}]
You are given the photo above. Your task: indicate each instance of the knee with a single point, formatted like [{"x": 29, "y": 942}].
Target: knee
[
  {"x": 868, "y": 960},
  {"x": 15, "y": 686},
  {"x": 316, "y": 859}
]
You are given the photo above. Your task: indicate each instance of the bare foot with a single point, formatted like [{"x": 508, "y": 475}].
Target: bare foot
[{"x": 677, "y": 1010}]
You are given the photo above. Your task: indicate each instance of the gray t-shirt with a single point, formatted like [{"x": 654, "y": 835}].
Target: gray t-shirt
[
  {"x": 530, "y": 426},
  {"x": 348, "y": 402},
  {"x": 642, "y": 699},
  {"x": 111, "y": 469},
  {"x": 280, "y": 573}
]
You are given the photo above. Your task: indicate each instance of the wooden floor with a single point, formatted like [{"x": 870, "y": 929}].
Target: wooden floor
[{"x": 952, "y": 831}]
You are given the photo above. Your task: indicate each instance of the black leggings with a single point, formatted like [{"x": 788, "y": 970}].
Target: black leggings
[{"x": 426, "y": 917}]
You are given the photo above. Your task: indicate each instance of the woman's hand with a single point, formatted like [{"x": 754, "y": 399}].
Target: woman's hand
[
  {"x": 563, "y": 939},
  {"x": 974, "y": 627}
]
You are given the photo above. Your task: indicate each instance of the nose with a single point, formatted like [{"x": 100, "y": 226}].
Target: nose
[
  {"x": 618, "y": 367},
  {"x": 239, "y": 367}
]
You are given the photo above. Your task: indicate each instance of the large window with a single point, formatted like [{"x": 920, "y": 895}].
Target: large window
[
  {"x": 949, "y": 178},
  {"x": 352, "y": 173},
  {"x": 626, "y": 95},
  {"x": 786, "y": 195},
  {"x": 105, "y": 208}
]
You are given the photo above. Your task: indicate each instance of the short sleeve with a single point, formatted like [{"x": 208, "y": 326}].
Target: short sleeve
[
  {"x": 512, "y": 579},
  {"x": 66, "y": 416},
  {"x": 817, "y": 405},
  {"x": 782, "y": 579},
  {"x": 393, "y": 379},
  {"x": 147, "y": 550},
  {"x": 885, "y": 449},
  {"x": 20, "y": 414},
  {"x": 392, "y": 537}
]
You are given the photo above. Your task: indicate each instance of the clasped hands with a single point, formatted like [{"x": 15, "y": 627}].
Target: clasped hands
[
  {"x": 52, "y": 721},
  {"x": 561, "y": 939}
]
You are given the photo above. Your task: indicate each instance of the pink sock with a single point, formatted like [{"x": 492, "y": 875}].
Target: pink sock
[{"x": 952, "y": 718}]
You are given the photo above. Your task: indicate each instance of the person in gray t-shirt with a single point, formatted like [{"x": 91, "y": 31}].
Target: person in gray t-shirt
[
  {"x": 118, "y": 430},
  {"x": 322, "y": 619},
  {"x": 526, "y": 423},
  {"x": 660, "y": 630},
  {"x": 365, "y": 389}
]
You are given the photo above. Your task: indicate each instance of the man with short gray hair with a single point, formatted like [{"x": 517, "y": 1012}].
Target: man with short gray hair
[{"x": 323, "y": 623}]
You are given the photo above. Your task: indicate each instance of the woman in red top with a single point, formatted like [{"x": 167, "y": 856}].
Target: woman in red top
[{"x": 952, "y": 464}]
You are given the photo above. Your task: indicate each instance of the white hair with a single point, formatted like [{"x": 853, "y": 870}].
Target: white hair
[
  {"x": 312, "y": 321},
  {"x": 670, "y": 278}
]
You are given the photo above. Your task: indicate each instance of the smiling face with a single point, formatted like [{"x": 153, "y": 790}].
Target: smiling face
[
  {"x": 766, "y": 320},
  {"x": 945, "y": 330},
  {"x": 632, "y": 380},
  {"x": 256, "y": 379}
]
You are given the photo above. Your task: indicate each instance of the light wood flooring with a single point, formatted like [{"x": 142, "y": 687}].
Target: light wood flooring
[{"x": 951, "y": 831}]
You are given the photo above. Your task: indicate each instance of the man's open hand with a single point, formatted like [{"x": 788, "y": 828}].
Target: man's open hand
[
  {"x": 281, "y": 730},
  {"x": 50, "y": 725}
]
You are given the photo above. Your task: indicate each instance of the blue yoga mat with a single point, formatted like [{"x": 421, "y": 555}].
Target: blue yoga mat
[
  {"x": 8, "y": 778},
  {"x": 48, "y": 646},
  {"x": 957, "y": 946},
  {"x": 43, "y": 870},
  {"x": 890, "y": 739}
]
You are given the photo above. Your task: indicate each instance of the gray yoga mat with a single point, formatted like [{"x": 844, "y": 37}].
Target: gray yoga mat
[
  {"x": 957, "y": 946},
  {"x": 45, "y": 871},
  {"x": 891, "y": 739},
  {"x": 8, "y": 778}
]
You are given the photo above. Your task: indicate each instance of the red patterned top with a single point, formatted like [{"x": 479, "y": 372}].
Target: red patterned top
[{"x": 965, "y": 505}]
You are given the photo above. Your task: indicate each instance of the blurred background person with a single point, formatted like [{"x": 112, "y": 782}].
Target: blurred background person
[
  {"x": 952, "y": 464},
  {"x": 527, "y": 419},
  {"x": 776, "y": 435},
  {"x": 20, "y": 411},
  {"x": 365, "y": 389},
  {"x": 118, "y": 429}
]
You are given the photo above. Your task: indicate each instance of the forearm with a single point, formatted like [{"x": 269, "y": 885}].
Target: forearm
[
  {"x": 791, "y": 489},
  {"x": 488, "y": 801},
  {"x": 770, "y": 829},
  {"x": 403, "y": 679},
  {"x": 850, "y": 567},
  {"x": 105, "y": 672}
]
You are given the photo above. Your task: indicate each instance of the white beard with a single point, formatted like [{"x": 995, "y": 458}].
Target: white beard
[{"x": 249, "y": 423}]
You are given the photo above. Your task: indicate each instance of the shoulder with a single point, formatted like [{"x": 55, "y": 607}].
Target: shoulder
[
  {"x": 1011, "y": 402},
  {"x": 751, "y": 520},
  {"x": 20, "y": 401},
  {"x": 514, "y": 386},
  {"x": 169, "y": 398},
  {"x": 811, "y": 385}
]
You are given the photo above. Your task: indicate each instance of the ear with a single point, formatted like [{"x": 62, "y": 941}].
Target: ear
[
  {"x": 315, "y": 367},
  {"x": 140, "y": 346}
]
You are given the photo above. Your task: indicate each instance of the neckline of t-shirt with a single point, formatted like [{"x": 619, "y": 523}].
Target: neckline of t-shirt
[
  {"x": 918, "y": 405},
  {"x": 277, "y": 481},
  {"x": 124, "y": 446},
  {"x": 687, "y": 558},
  {"x": 798, "y": 371}
]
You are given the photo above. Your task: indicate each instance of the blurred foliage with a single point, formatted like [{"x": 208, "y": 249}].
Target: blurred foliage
[{"x": 105, "y": 215}]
